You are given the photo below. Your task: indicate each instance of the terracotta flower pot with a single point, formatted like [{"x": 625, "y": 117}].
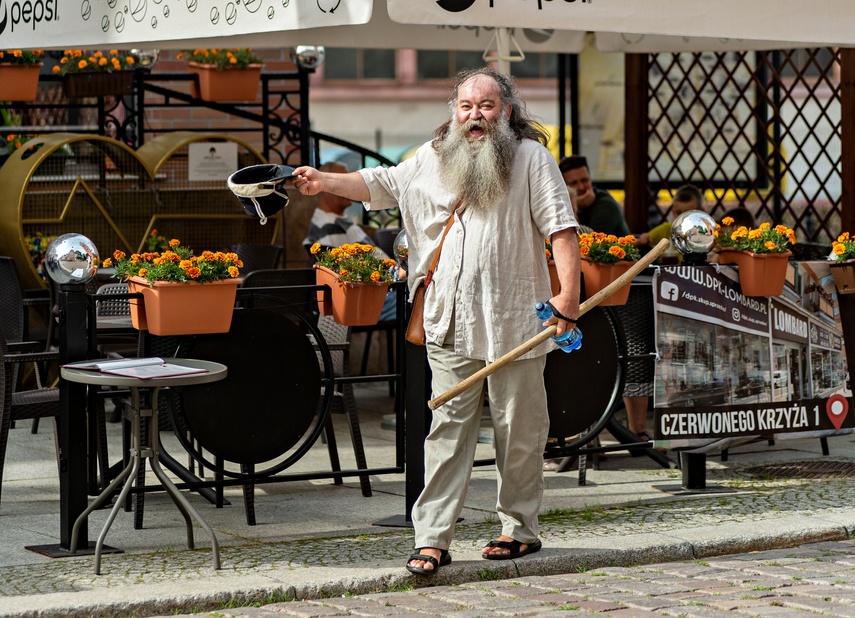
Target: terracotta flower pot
[
  {"x": 554, "y": 283},
  {"x": 108, "y": 83},
  {"x": 228, "y": 85},
  {"x": 597, "y": 276},
  {"x": 353, "y": 304},
  {"x": 19, "y": 82},
  {"x": 183, "y": 308},
  {"x": 844, "y": 276},
  {"x": 760, "y": 274}
]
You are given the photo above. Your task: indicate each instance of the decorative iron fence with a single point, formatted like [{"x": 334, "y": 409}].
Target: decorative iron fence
[{"x": 759, "y": 130}]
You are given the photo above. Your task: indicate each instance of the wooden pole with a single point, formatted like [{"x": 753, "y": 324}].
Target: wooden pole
[{"x": 549, "y": 331}]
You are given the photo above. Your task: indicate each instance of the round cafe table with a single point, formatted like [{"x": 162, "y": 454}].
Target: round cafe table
[{"x": 138, "y": 451}]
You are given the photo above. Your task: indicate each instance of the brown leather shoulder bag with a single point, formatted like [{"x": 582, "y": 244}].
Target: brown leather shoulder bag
[{"x": 416, "y": 325}]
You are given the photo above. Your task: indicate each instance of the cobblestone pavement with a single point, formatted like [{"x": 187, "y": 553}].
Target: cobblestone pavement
[
  {"x": 812, "y": 579},
  {"x": 748, "y": 513}
]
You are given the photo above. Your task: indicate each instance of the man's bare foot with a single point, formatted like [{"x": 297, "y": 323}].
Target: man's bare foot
[
  {"x": 501, "y": 550},
  {"x": 506, "y": 548},
  {"x": 427, "y": 560}
]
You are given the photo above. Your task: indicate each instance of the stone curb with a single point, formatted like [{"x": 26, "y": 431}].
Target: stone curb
[{"x": 209, "y": 594}]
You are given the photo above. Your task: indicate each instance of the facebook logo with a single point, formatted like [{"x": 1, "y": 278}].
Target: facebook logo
[{"x": 669, "y": 291}]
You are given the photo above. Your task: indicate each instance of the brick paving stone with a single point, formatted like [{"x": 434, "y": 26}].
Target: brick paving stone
[
  {"x": 554, "y": 598},
  {"x": 637, "y": 601},
  {"x": 696, "y": 610},
  {"x": 303, "y": 609},
  {"x": 648, "y": 587},
  {"x": 549, "y": 582},
  {"x": 819, "y": 606},
  {"x": 629, "y": 612},
  {"x": 819, "y": 591},
  {"x": 777, "y": 612},
  {"x": 597, "y": 606},
  {"x": 415, "y": 602},
  {"x": 358, "y": 605}
]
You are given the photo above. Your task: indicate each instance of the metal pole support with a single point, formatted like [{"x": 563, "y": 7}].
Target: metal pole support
[
  {"x": 694, "y": 468},
  {"x": 73, "y": 344}
]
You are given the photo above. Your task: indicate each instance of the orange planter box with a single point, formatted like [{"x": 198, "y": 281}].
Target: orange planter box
[
  {"x": 597, "y": 276},
  {"x": 353, "y": 304},
  {"x": 183, "y": 308},
  {"x": 228, "y": 85},
  {"x": 760, "y": 274},
  {"x": 19, "y": 83}
]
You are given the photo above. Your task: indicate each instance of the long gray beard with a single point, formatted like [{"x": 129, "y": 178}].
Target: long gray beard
[{"x": 478, "y": 172}]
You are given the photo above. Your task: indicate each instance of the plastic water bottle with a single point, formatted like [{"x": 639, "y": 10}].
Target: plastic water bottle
[{"x": 567, "y": 342}]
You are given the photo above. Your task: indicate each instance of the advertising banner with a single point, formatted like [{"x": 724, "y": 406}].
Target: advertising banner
[
  {"x": 709, "y": 294},
  {"x": 734, "y": 367}
]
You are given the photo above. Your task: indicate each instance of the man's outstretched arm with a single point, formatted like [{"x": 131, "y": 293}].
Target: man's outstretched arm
[{"x": 310, "y": 181}]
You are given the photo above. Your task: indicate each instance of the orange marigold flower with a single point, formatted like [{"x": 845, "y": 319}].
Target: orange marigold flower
[
  {"x": 316, "y": 248},
  {"x": 375, "y": 276},
  {"x": 617, "y": 251}
]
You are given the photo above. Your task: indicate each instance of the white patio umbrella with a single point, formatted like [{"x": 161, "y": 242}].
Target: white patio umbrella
[
  {"x": 505, "y": 29},
  {"x": 797, "y": 22},
  {"x": 333, "y": 23}
]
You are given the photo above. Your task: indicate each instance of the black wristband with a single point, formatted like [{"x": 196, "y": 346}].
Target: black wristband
[{"x": 558, "y": 314}]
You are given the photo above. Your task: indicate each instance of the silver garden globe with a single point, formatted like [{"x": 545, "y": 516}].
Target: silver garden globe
[
  {"x": 71, "y": 258},
  {"x": 693, "y": 232},
  {"x": 308, "y": 56},
  {"x": 401, "y": 247}
]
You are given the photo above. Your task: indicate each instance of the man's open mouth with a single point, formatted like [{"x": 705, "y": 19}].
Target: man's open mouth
[{"x": 476, "y": 131}]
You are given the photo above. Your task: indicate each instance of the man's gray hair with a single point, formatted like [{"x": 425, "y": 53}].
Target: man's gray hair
[{"x": 519, "y": 121}]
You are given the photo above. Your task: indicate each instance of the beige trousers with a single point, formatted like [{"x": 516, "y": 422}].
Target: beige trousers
[{"x": 520, "y": 423}]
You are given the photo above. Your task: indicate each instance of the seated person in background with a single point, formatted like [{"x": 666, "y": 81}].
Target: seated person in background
[
  {"x": 330, "y": 227},
  {"x": 740, "y": 215},
  {"x": 687, "y": 197},
  {"x": 596, "y": 208}
]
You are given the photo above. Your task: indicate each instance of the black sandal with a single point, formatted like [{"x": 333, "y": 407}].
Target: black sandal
[
  {"x": 444, "y": 559},
  {"x": 514, "y": 547}
]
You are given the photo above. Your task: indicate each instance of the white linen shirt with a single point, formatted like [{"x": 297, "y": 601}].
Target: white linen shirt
[{"x": 492, "y": 269}]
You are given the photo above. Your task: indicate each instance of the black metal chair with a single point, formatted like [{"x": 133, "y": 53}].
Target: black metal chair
[
  {"x": 15, "y": 322},
  {"x": 337, "y": 337},
  {"x": 268, "y": 408},
  {"x": 257, "y": 256},
  {"x": 384, "y": 238},
  {"x": 302, "y": 299},
  {"x": 16, "y": 404}
]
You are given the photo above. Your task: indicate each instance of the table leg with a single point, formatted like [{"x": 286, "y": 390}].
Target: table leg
[
  {"x": 180, "y": 501},
  {"x": 129, "y": 476}
]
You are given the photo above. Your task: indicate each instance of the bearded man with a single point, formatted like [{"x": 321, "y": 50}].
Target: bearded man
[{"x": 487, "y": 172}]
